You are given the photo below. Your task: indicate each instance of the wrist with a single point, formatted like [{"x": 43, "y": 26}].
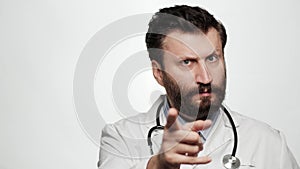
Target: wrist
[{"x": 157, "y": 162}]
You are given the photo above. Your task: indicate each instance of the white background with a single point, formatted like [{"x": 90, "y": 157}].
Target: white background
[{"x": 41, "y": 41}]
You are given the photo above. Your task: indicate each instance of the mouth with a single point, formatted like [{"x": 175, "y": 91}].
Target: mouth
[
  {"x": 203, "y": 96},
  {"x": 205, "y": 92}
]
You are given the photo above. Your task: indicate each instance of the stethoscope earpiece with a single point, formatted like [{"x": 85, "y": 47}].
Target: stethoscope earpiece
[{"x": 231, "y": 162}]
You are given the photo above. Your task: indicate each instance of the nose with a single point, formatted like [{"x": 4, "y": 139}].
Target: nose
[{"x": 202, "y": 74}]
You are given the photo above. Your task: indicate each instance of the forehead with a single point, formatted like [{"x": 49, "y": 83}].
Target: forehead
[{"x": 198, "y": 43}]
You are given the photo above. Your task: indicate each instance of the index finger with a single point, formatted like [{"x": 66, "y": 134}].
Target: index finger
[{"x": 171, "y": 120}]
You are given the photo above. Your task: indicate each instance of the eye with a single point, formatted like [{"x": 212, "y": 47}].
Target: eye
[
  {"x": 212, "y": 58},
  {"x": 186, "y": 62}
]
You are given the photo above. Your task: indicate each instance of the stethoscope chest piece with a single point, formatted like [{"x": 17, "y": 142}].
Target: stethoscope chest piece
[{"x": 231, "y": 162}]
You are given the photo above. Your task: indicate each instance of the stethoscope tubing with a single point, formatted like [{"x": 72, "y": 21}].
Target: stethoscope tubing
[
  {"x": 160, "y": 127},
  {"x": 235, "y": 136},
  {"x": 157, "y": 127},
  {"x": 229, "y": 161}
]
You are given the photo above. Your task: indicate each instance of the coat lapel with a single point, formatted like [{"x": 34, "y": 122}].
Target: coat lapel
[{"x": 221, "y": 134}]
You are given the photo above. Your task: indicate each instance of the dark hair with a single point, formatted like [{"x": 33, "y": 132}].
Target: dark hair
[{"x": 183, "y": 18}]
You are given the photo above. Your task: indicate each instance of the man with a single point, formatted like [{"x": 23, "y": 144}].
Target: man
[{"x": 186, "y": 47}]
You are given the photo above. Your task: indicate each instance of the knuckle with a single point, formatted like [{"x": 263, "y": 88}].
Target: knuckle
[
  {"x": 194, "y": 136},
  {"x": 195, "y": 149},
  {"x": 169, "y": 157}
]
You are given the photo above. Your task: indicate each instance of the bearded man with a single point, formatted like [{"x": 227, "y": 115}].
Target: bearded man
[{"x": 186, "y": 48}]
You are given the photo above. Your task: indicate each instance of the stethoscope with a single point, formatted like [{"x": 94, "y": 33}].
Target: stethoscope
[{"x": 229, "y": 160}]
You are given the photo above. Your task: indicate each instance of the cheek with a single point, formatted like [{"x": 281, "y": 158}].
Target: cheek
[
  {"x": 180, "y": 76},
  {"x": 218, "y": 76}
]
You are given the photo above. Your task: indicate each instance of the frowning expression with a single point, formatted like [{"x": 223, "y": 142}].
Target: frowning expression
[{"x": 193, "y": 72}]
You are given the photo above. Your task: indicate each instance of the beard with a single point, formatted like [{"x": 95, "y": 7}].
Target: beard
[{"x": 181, "y": 98}]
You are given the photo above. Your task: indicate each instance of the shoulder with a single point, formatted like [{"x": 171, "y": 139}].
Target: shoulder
[
  {"x": 130, "y": 125},
  {"x": 136, "y": 124},
  {"x": 260, "y": 140},
  {"x": 253, "y": 127}
]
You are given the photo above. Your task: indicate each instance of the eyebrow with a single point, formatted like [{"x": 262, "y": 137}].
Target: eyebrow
[
  {"x": 187, "y": 57},
  {"x": 215, "y": 52}
]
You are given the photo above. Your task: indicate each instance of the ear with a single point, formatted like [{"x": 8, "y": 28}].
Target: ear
[{"x": 157, "y": 72}]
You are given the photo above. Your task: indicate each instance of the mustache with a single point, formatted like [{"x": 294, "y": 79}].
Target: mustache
[{"x": 204, "y": 88}]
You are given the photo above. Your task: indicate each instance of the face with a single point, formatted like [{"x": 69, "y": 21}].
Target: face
[{"x": 194, "y": 73}]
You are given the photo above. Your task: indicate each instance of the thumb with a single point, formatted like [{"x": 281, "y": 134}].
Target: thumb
[{"x": 198, "y": 125}]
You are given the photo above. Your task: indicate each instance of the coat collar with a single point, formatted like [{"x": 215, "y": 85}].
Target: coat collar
[
  {"x": 151, "y": 114},
  {"x": 236, "y": 118}
]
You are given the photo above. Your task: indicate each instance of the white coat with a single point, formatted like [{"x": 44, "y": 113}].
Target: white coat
[{"x": 124, "y": 144}]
